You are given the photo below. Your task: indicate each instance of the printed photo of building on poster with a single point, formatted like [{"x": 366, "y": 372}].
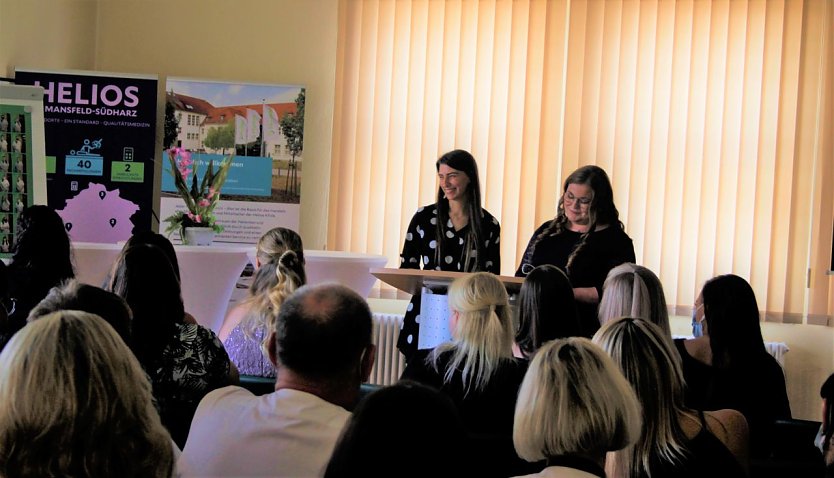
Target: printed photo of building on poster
[
  {"x": 100, "y": 131},
  {"x": 262, "y": 128}
]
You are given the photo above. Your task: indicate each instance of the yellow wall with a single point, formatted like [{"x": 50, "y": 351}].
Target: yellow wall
[
  {"x": 47, "y": 34},
  {"x": 257, "y": 41}
]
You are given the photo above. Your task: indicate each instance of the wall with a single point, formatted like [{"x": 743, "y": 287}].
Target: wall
[
  {"x": 258, "y": 41},
  {"x": 47, "y": 34}
]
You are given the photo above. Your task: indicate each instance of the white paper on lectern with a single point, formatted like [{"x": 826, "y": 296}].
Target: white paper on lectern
[{"x": 434, "y": 320}]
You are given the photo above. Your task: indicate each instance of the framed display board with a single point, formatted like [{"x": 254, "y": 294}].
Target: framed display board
[{"x": 22, "y": 158}]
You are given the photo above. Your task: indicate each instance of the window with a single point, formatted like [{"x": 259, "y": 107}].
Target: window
[{"x": 713, "y": 120}]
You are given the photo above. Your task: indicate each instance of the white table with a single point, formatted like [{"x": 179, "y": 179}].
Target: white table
[{"x": 208, "y": 274}]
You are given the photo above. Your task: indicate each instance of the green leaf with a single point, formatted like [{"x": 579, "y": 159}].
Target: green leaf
[{"x": 207, "y": 179}]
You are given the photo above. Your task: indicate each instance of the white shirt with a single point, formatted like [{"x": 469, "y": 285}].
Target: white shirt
[
  {"x": 560, "y": 472},
  {"x": 286, "y": 433}
]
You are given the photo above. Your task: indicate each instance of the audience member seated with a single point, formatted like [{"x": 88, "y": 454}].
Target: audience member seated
[
  {"x": 573, "y": 407},
  {"x": 41, "y": 259},
  {"x": 676, "y": 440},
  {"x": 279, "y": 271},
  {"x": 155, "y": 239},
  {"x": 321, "y": 346},
  {"x": 477, "y": 368},
  {"x": 73, "y": 295},
  {"x": 7, "y": 304},
  {"x": 184, "y": 361},
  {"x": 827, "y": 428},
  {"x": 634, "y": 291},
  {"x": 546, "y": 310},
  {"x": 728, "y": 366},
  {"x": 75, "y": 402},
  {"x": 380, "y": 441}
]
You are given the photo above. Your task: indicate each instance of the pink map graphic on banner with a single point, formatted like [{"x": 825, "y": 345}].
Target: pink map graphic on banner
[{"x": 98, "y": 215}]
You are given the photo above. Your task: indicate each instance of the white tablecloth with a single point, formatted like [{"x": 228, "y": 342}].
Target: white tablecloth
[{"x": 208, "y": 275}]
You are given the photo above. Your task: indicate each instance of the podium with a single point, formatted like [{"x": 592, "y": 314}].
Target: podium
[
  {"x": 432, "y": 287},
  {"x": 411, "y": 281}
]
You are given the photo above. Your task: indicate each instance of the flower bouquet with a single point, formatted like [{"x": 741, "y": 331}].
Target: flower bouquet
[{"x": 201, "y": 198}]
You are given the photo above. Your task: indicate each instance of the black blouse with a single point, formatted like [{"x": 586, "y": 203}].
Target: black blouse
[
  {"x": 419, "y": 250},
  {"x": 604, "y": 250},
  {"x": 759, "y": 392},
  {"x": 420, "y": 243}
]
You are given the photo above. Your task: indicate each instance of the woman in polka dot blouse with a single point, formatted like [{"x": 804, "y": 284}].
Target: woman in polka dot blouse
[{"x": 453, "y": 234}]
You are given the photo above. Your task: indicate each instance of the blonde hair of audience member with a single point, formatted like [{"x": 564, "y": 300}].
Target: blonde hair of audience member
[
  {"x": 74, "y": 401},
  {"x": 482, "y": 329},
  {"x": 652, "y": 366},
  {"x": 280, "y": 271},
  {"x": 634, "y": 291},
  {"x": 574, "y": 401}
]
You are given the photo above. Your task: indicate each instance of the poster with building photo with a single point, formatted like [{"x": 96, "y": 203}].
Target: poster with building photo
[{"x": 261, "y": 127}]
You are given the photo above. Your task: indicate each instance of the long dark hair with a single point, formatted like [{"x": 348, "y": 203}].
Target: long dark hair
[
  {"x": 41, "y": 260},
  {"x": 42, "y": 244},
  {"x": 156, "y": 239},
  {"x": 602, "y": 210},
  {"x": 546, "y": 309},
  {"x": 732, "y": 315},
  {"x": 462, "y": 161},
  {"x": 144, "y": 277}
]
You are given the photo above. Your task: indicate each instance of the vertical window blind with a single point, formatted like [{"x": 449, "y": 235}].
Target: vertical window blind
[{"x": 714, "y": 120}]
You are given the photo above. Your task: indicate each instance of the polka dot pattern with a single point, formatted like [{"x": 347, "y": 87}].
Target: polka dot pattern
[{"x": 421, "y": 248}]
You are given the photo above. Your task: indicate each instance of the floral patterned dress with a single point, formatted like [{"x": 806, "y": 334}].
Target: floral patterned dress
[
  {"x": 192, "y": 364},
  {"x": 419, "y": 250}
]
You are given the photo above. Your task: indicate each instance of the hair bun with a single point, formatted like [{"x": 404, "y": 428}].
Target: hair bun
[{"x": 288, "y": 258}]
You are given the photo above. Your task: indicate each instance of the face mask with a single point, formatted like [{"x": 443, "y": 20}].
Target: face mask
[
  {"x": 819, "y": 441},
  {"x": 697, "y": 330}
]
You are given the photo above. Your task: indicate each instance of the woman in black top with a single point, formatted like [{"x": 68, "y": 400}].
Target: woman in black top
[
  {"x": 586, "y": 239},
  {"x": 41, "y": 260},
  {"x": 453, "y": 234},
  {"x": 728, "y": 366},
  {"x": 676, "y": 440}
]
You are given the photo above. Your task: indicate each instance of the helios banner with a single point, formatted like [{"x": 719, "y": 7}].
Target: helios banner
[{"x": 99, "y": 133}]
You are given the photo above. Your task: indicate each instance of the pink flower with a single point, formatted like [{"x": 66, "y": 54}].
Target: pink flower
[
  {"x": 211, "y": 193},
  {"x": 184, "y": 155},
  {"x": 197, "y": 218},
  {"x": 204, "y": 202}
]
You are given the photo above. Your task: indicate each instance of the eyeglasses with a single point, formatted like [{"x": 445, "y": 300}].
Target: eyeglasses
[
  {"x": 9, "y": 304},
  {"x": 569, "y": 199}
]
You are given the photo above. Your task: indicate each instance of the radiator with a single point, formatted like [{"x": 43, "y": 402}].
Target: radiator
[{"x": 390, "y": 362}]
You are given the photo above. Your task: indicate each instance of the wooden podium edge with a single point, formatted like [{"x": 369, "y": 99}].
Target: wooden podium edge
[{"x": 411, "y": 281}]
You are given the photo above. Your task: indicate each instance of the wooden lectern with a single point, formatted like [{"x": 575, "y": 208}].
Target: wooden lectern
[
  {"x": 432, "y": 286},
  {"x": 412, "y": 280}
]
